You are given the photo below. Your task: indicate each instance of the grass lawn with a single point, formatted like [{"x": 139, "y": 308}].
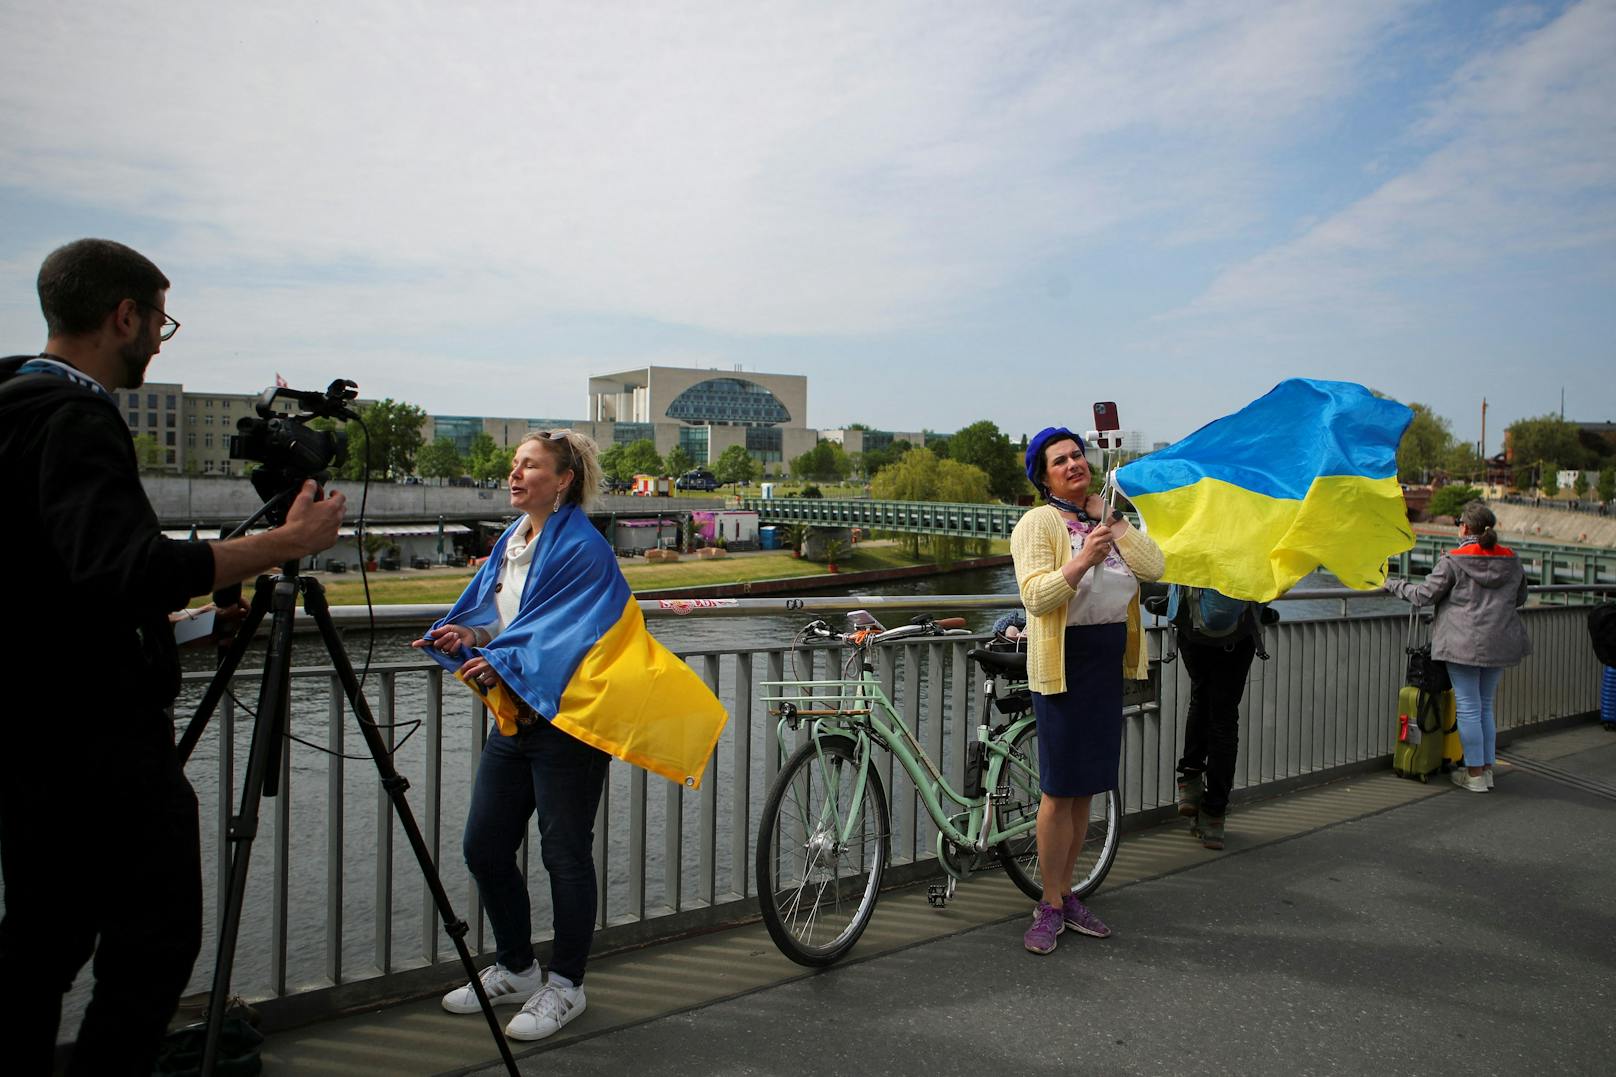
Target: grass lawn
[{"x": 444, "y": 586}]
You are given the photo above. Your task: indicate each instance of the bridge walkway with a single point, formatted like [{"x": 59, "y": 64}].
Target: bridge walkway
[{"x": 1369, "y": 925}]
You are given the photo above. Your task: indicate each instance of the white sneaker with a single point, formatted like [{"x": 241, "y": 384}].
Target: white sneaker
[
  {"x": 503, "y": 987},
  {"x": 546, "y": 1012},
  {"x": 1461, "y": 777},
  {"x": 1487, "y": 775}
]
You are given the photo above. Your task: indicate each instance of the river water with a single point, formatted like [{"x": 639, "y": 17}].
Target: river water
[{"x": 317, "y": 784}]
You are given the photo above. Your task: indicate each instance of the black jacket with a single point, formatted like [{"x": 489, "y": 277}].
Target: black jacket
[{"x": 81, "y": 549}]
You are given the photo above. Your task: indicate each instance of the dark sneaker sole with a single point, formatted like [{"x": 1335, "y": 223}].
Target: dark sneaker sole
[{"x": 1031, "y": 949}]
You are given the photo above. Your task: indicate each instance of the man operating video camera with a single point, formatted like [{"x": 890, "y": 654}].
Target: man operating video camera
[{"x": 98, "y": 825}]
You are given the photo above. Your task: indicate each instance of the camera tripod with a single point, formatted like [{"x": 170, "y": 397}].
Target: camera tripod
[{"x": 277, "y": 596}]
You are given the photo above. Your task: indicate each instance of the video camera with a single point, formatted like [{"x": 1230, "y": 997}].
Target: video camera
[{"x": 289, "y": 450}]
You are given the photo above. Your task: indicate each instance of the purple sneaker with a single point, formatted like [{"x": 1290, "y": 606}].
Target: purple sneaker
[
  {"x": 1078, "y": 917},
  {"x": 1046, "y": 924}
]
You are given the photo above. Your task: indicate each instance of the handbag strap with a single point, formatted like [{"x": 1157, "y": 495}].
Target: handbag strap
[{"x": 1427, "y": 707}]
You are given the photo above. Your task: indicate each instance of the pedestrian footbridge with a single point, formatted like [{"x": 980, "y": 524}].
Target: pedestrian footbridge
[{"x": 1354, "y": 914}]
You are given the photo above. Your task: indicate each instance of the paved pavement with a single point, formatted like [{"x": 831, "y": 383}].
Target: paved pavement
[{"x": 1455, "y": 932}]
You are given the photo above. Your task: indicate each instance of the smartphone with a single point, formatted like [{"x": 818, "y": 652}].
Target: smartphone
[{"x": 1105, "y": 416}]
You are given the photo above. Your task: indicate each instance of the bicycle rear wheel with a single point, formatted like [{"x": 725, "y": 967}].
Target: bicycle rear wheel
[
  {"x": 1019, "y": 855},
  {"x": 817, "y": 891}
]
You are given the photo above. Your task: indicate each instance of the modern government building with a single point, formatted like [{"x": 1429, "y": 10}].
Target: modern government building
[{"x": 702, "y": 411}]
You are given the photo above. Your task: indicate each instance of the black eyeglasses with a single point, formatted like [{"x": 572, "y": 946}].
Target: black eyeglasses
[{"x": 170, "y": 326}]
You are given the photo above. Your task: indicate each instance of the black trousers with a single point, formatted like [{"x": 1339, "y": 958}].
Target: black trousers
[
  {"x": 1212, "y": 730},
  {"x": 99, "y": 844}
]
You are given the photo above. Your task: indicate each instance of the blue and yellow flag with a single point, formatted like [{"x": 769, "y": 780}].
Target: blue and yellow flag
[
  {"x": 578, "y": 653},
  {"x": 1254, "y": 501}
]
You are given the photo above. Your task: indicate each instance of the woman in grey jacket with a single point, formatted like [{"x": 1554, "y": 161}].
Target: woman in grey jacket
[{"x": 1477, "y": 590}]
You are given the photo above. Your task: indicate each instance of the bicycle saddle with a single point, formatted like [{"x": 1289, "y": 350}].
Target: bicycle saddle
[{"x": 1011, "y": 662}]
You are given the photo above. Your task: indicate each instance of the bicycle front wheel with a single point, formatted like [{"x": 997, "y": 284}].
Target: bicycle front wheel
[
  {"x": 817, "y": 889},
  {"x": 1019, "y": 855}
]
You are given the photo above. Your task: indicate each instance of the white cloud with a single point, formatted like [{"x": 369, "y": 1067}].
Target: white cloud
[
  {"x": 1521, "y": 163},
  {"x": 770, "y": 168}
]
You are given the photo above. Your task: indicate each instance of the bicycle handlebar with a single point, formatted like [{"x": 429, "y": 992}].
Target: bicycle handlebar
[{"x": 941, "y": 626}]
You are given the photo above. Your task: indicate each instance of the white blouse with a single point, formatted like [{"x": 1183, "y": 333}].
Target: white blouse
[
  {"x": 513, "y": 576},
  {"x": 1105, "y": 591}
]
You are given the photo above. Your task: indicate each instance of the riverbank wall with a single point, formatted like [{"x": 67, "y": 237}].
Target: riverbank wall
[
  {"x": 830, "y": 581},
  {"x": 1555, "y": 525}
]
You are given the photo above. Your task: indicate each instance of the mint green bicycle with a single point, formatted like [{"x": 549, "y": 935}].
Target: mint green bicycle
[{"x": 824, "y": 835}]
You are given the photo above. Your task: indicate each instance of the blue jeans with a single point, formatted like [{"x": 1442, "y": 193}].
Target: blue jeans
[
  {"x": 545, "y": 771},
  {"x": 1473, "y": 691}
]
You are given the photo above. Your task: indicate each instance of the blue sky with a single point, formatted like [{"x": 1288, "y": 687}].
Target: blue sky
[{"x": 939, "y": 212}]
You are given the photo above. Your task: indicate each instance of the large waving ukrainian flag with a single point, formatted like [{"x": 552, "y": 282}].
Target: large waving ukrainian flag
[
  {"x": 578, "y": 653},
  {"x": 1254, "y": 501}
]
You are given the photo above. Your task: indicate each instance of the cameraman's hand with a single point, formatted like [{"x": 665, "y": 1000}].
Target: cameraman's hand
[{"x": 311, "y": 524}]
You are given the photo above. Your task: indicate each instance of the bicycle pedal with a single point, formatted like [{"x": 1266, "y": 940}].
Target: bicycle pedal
[
  {"x": 1002, "y": 793},
  {"x": 937, "y": 895}
]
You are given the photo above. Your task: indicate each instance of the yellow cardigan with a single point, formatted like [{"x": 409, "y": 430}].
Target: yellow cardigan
[{"x": 1040, "y": 545}]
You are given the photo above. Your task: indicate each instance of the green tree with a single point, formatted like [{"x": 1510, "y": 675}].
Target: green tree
[
  {"x": 1607, "y": 484},
  {"x": 441, "y": 460},
  {"x": 1579, "y": 485},
  {"x": 612, "y": 464},
  {"x": 876, "y": 459},
  {"x": 1550, "y": 483},
  {"x": 1425, "y": 446},
  {"x": 826, "y": 461},
  {"x": 641, "y": 458},
  {"x": 920, "y": 476},
  {"x": 148, "y": 454},
  {"x": 735, "y": 464},
  {"x": 486, "y": 460},
  {"x": 387, "y": 441},
  {"x": 1548, "y": 437},
  {"x": 1464, "y": 462},
  {"x": 1450, "y": 500},
  {"x": 678, "y": 461},
  {"x": 984, "y": 446}
]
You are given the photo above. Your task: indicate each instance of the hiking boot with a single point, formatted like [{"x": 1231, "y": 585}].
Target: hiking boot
[
  {"x": 503, "y": 987},
  {"x": 1079, "y": 917},
  {"x": 550, "y": 1008},
  {"x": 1191, "y": 788},
  {"x": 1047, "y": 923},
  {"x": 1209, "y": 828},
  {"x": 1461, "y": 777}
]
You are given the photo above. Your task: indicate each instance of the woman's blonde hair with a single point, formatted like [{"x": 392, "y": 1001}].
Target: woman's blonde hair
[{"x": 573, "y": 452}]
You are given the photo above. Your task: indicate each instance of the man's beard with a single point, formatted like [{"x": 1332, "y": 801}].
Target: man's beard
[{"x": 136, "y": 357}]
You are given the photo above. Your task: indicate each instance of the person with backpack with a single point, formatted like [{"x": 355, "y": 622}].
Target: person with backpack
[
  {"x": 1602, "y": 633},
  {"x": 1217, "y": 638},
  {"x": 1477, "y": 590},
  {"x": 1077, "y": 567}
]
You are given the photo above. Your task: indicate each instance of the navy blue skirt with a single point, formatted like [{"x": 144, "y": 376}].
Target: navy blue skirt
[{"x": 1080, "y": 729}]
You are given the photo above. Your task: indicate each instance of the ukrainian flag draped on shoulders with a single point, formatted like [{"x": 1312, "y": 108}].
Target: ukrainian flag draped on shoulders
[
  {"x": 1302, "y": 478},
  {"x": 579, "y": 654}
]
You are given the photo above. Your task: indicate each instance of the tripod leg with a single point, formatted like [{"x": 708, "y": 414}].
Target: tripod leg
[
  {"x": 396, "y": 785},
  {"x": 217, "y": 687},
  {"x": 265, "y": 754}
]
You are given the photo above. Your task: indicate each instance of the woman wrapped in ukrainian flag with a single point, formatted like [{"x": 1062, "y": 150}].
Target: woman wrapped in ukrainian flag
[{"x": 550, "y": 636}]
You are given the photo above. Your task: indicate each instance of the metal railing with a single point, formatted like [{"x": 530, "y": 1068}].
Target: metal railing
[
  {"x": 337, "y": 914},
  {"x": 1547, "y": 564},
  {"x": 923, "y": 517}
]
